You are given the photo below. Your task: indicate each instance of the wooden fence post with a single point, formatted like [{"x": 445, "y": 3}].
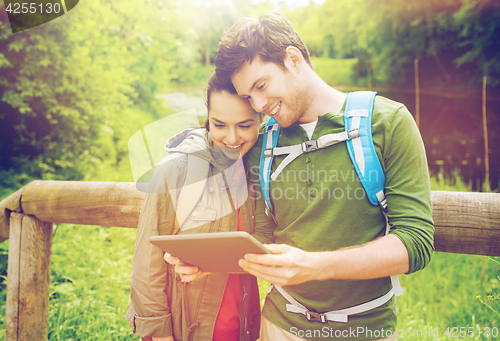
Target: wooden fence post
[
  {"x": 28, "y": 280},
  {"x": 12, "y": 304}
]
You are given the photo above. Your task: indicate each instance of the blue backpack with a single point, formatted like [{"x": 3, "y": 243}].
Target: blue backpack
[{"x": 358, "y": 137}]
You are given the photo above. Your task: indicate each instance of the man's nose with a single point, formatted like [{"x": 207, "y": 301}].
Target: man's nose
[{"x": 258, "y": 102}]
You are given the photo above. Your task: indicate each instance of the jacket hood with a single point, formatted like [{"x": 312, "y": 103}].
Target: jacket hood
[{"x": 197, "y": 141}]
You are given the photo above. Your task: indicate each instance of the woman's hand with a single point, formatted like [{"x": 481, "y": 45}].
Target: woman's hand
[{"x": 187, "y": 273}]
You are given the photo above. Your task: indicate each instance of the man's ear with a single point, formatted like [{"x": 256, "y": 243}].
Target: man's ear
[{"x": 293, "y": 59}]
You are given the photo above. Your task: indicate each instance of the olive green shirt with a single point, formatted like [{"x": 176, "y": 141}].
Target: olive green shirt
[{"x": 320, "y": 205}]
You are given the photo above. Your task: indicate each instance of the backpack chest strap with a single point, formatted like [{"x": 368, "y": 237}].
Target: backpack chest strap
[{"x": 305, "y": 147}]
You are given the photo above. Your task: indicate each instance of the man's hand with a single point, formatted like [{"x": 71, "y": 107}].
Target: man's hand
[
  {"x": 287, "y": 265},
  {"x": 385, "y": 256},
  {"x": 187, "y": 273}
]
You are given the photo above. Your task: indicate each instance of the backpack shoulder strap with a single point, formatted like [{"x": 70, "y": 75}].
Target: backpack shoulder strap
[
  {"x": 192, "y": 190},
  {"x": 269, "y": 141},
  {"x": 358, "y": 115}
]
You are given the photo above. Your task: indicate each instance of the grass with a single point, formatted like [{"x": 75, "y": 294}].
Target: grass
[
  {"x": 90, "y": 283},
  {"x": 442, "y": 182}
]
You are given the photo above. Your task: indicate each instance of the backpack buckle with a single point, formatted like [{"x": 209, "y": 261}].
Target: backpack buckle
[
  {"x": 309, "y": 146},
  {"x": 353, "y": 133},
  {"x": 268, "y": 152},
  {"x": 316, "y": 317},
  {"x": 272, "y": 127}
]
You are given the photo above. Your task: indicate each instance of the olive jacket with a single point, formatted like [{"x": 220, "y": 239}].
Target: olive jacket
[{"x": 160, "y": 304}]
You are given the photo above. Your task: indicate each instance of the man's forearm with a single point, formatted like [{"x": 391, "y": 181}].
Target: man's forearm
[
  {"x": 289, "y": 265},
  {"x": 383, "y": 257}
]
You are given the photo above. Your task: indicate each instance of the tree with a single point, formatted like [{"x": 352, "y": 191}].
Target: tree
[
  {"x": 66, "y": 85},
  {"x": 452, "y": 37}
]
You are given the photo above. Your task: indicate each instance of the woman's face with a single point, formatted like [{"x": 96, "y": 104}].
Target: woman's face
[{"x": 234, "y": 125}]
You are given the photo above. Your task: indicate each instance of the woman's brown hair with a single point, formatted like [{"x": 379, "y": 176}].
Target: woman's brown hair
[{"x": 214, "y": 86}]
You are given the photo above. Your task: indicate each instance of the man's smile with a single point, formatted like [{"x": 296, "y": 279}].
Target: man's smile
[{"x": 275, "y": 110}]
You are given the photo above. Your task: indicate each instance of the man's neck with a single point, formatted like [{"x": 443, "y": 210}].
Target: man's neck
[{"x": 325, "y": 99}]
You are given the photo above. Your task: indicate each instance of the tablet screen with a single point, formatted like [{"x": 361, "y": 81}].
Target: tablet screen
[{"x": 210, "y": 252}]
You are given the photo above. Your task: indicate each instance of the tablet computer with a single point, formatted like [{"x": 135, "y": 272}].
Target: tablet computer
[{"x": 211, "y": 252}]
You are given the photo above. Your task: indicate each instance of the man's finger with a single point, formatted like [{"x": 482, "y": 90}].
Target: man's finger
[
  {"x": 268, "y": 277},
  {"x": 263, "y": 269},
  {"x": 269, "y": 260},
  {"x": 278, "y": 248}
]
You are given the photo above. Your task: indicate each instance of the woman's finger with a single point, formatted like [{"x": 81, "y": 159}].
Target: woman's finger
[
  {"x": 186, "y": 270},
  {"x": 171, "y": 259},
  {"x": 190, "y": 278}
]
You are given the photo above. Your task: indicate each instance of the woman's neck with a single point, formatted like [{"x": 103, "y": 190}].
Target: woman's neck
[{"x": 237, "y": 168}]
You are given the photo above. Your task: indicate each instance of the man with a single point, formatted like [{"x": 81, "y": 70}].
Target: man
[{"x": 331, "y": 251}]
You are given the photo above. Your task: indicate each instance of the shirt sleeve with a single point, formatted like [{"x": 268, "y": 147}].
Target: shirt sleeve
[
  {"x": 408, "y": 188},
  {"x": 149, "y": 312},
  {"x": 264, "y": 224}
]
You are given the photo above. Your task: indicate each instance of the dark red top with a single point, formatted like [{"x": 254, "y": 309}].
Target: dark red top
[{"x": 227, "y": 325}]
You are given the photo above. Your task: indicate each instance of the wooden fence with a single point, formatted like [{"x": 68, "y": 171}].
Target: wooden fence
[{"x": 465, "y": 223}]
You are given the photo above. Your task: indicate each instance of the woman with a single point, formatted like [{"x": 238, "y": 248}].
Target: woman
[{"x": 217, "y": 306}]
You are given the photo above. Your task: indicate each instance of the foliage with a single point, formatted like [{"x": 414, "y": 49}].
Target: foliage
[
  {"x": 335, "y": 71},
  {"x": 452, "y": 38},
  {"x": 68, "y": 85},
  {"x": 478, "y": 24}
]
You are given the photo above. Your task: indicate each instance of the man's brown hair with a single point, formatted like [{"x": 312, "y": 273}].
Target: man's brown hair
[{"x": 266, "y": 37}]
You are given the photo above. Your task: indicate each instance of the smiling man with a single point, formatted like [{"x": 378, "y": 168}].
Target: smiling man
[{"x": 332, "y": 261}]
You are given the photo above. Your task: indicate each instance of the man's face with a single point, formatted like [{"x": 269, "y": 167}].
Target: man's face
[{"x": 272, "y": 91}]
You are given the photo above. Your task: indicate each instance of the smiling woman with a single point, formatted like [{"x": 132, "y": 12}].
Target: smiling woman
[
  {"x": 233, "y": 125},
  {"x": 231, "y": 121},
  {"x": 219, "y": 306}
]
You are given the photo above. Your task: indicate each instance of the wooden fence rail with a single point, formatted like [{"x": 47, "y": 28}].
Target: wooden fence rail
[{"x": 465, "y": 223}]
